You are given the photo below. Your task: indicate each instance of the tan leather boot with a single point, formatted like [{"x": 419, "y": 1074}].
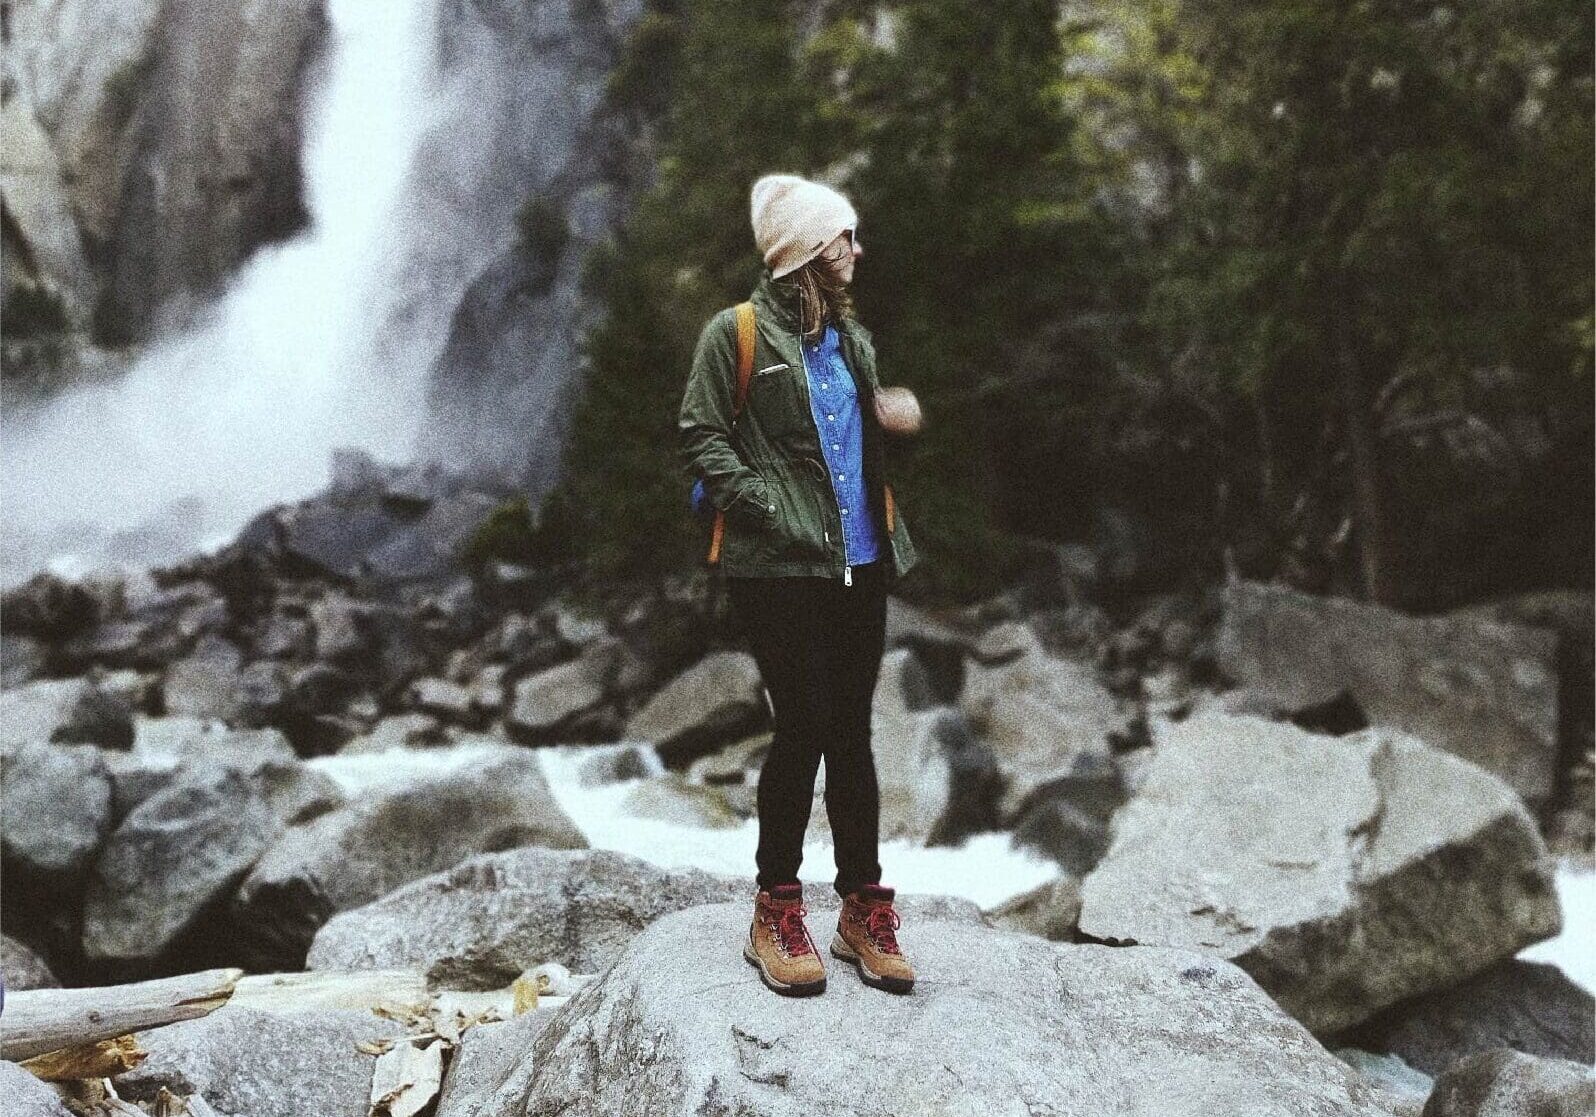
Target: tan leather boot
[
  {"x": 779, "y": 943},
  {"x": 865, "y": 937}
]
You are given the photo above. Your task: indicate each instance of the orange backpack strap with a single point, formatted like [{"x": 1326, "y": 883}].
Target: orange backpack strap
[
  {"x": 745, "y": 369},
  {"x": 889, "y": 508}
]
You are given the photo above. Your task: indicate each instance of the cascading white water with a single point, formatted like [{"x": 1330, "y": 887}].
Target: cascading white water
[{"x": 241, "y": 410}]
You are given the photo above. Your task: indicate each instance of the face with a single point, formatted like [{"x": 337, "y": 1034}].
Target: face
[{"x": 840, "y": 254}]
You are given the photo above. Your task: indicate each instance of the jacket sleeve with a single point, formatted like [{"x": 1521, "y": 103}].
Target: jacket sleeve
[{"x": 704, "y": 426}]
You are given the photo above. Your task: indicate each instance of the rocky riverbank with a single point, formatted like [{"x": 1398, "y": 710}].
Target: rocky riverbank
[{"x": 1283, "y": 829}]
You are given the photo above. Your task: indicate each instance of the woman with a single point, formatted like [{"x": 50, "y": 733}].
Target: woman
[{"x": 809, "y": 542}]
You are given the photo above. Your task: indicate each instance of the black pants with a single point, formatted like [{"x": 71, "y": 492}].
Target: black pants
[{"x": 818, "y": 644}]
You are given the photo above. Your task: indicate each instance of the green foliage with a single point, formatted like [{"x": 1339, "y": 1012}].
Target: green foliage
[
  {"x": 1162, "y": 257},
  {"x": 542, "y": 227},
  {"x": 1390, "y": 200},
  {"x": 949, "y": 133},
  {"x": 506, "y": 534}
]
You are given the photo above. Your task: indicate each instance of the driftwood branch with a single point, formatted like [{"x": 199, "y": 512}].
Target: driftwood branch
[
  {"x": 361, "y": 989},
  {"x": 40, "y": 1020}
]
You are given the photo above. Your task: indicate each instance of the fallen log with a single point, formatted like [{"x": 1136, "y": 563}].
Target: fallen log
[
  {"x": 276, "y": 992},
  {"x": 37, "y": 1021}
]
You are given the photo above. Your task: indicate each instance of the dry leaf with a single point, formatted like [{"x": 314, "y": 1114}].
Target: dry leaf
[
  {"x": 105, "y": 1059},
  {"x": 525, "y": 990}
]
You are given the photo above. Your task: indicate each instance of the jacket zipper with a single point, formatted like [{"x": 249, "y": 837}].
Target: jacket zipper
[{"x": 847, "y": 570}]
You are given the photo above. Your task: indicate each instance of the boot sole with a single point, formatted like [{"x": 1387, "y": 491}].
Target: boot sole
[
  {"x": 786, "y": 989},
  {"x": 840, "y": 949}
]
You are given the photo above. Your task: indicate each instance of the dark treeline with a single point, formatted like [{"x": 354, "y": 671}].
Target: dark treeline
[{"x": 1301, "y": 287}]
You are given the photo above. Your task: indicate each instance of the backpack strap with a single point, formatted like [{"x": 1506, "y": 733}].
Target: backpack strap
[{"x": 745, "y": 368}]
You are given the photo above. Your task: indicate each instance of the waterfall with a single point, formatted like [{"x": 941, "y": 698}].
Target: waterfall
[{"x": 318, "y": 342}]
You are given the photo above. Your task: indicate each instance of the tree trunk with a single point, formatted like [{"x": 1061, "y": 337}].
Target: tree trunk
[
  {"x": 1376, "y": 551},
  {"x": 41, "y": 1020}
]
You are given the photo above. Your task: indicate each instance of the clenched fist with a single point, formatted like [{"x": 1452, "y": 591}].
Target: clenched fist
[{"x": 898, "y": 411}]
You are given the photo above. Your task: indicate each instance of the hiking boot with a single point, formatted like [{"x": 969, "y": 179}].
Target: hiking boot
[
  {"x": 779, "y": 943},
  {"x": 865, "y": 937}
]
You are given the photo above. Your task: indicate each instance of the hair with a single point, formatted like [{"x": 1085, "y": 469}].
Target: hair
[{"x": 823, "y": 296}]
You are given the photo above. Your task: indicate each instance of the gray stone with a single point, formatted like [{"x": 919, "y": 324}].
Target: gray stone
[
  {"x": 1049, "y": 910},
  {"x": 428, "y": 547},
  {"x": 1038, "y": 713},
  {"x": 446, "y": 700},
  {"x": 575, "y": 629},
  {"x": 1404, "y": 1088},
  {"x": 998, "y": 1025},
  {"x": 21, "y": 659},
  {"x": 193, "y": 739},
  {"x": 1477, "y": 688},
  {"x": 488, "y": 688},
  {"x": 79, "y": 710},
  {"x": 474, "y": 799},
  {"x": 23, "y": 968},
  {"x": 719, "y": 697},
  {"x": 205, "y": 686},
  {"x": 1068, "y": 818},
  {"x": 734, "y": 764},
  {"x": 627, "y": 760},
  {"x": 400, "y": 731},
  {"x": 485, "y": 921},
  {"x": 904, "y": 684},
  {"x": 1505, "y": 1083},
  {"x": 344, "y": 628},
  {"x": 56, "y": 803},
  {"x": 486, "y": 1055},
  {"x": 168, "y": 748},
  {"x": 1529, "y": 1006},
  {"x": 251, "y": 1062},
  {"x": 937, "y": 781},
  {"x": 1004, "y": 643},
  {"x": 27, "y": 1096},
  {"x": 285, "y": 636},
  {"x": 670, "y": 798},
  {"x": 1344, "y": 873},
  {"x": 547, "y": 703},
  {"x": 177, "y": 853}
]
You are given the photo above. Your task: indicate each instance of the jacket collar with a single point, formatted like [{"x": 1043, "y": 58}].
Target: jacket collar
[{"x": 779, "y": 299}]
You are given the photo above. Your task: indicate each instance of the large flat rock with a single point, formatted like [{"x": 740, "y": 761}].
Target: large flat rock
[
  {"x": 1344, "y": 873},
  {"x": 999, "y": 1025},
  {"x": 480, "y": 924},
  {"x": 447, "y": 806},
  {"x": 1481, "y": 689}
]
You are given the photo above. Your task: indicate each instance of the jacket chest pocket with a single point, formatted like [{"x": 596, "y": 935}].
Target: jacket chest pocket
[{"x": 779, "y": 401}]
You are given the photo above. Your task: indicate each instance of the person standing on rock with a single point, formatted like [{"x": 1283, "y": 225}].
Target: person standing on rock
[{"x": 783, "y": 425}]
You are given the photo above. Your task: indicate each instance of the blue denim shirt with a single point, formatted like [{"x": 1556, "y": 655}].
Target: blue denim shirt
[{"x": 834, "y": 403}]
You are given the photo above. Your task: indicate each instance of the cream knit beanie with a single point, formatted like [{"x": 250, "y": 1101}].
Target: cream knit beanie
[{"x": 795, "y": 218}]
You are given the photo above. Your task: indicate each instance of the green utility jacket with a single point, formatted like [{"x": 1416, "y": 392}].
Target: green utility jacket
[{"x": 766, "y": 471}]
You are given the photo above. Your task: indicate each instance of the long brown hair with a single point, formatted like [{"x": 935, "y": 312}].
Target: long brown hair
[{"x": 824, "y": 297}]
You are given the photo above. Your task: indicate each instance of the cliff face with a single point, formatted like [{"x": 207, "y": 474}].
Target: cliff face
[
  {"x": 558, "y": 174},
  {"x": 164, "y": 144},
  {"x": 168, "y": 136},
  {"x": 212, "y": 164}
]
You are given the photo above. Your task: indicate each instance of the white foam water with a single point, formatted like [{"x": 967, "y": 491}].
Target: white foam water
[{"x": 241, "y": 409}]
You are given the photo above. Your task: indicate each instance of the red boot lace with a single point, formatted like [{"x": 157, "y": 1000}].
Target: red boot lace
[
  {"x": 880, "y": 924},
  {"x": 790, "y": 931}
]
